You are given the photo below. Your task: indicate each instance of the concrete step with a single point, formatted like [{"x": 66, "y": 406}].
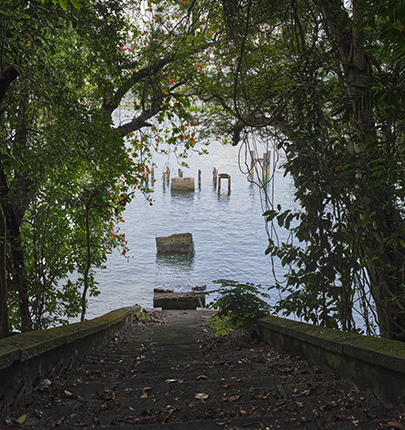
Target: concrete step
[{"x": 144, "y": 380}]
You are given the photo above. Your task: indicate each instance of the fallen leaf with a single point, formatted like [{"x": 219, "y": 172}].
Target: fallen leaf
[
  {"x": 169, "y": 381},
  {"x": 395, "y": 425},
  {"x": 345, "y": 418},
  {"x": 13, "y": 426},
  {"x": 233, "y": 398},
  {"x": 243, "y": 413},
  {"x": 43, "y": 385},
  {"x": 144, "y": 395},
  {"x": 201, "y": 377},
  {"x": 68, "y": 393},
  {"x": 371, "y": 415},
  {"x": 21, "y": 419},
  {"x": 144, "y": 389},
  {"x": 201, "y": 396}
]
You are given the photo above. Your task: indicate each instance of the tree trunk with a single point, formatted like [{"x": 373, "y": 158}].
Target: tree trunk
[
  {"x": 17, "y": 270},
  {"x": 4, "y": 314}
]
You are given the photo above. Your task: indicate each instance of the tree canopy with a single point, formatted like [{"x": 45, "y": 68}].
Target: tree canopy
[
  {"x": 322, "y": 79},
  {"x": 67, "y": 171}
]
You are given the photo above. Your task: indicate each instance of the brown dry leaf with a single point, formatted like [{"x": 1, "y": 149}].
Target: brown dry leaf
[
  {"x": 224, "y": 385},
  {"x": 201, "y": 377},
  {"x": 68, "y": 393},
  {"x": 144, "y": 396},
  {"x": 233, "y": 398},
  {"x": 13, "y": 426},
  {"x": 201, "y": 396},
  {"x": 371, "y": 415},
  {"x": 395, "y": 425},
  {"x": 345, "y": 418},
  {"x": 243, "y": 413},
  {"x": 144, "y": 389},
  {"x": 169, "y": 381}
]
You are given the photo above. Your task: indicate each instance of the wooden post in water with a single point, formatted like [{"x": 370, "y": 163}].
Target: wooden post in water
[
  {"x": 167, "y": 174},
  {"x": 215, "y": 176},
  {"x": 199, "y": 178}
]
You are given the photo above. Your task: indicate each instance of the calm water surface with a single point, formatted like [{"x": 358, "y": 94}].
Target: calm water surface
[{"x": 228, "y": 232}]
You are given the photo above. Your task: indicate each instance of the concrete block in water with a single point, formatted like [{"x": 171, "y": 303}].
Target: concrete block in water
[
  {"x": 168, "y": 301},
  {"x": 174, "y": 244},
  {"x": 182, "y": 184}
]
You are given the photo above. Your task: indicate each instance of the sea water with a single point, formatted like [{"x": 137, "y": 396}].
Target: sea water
[{"x": 228, "y": 231}]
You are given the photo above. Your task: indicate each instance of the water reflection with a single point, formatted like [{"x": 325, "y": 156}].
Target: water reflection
[
  {"x": 176, "y": 261},
  {"x": 224, "y": 196},
  {"x": 182, "y": 196}
]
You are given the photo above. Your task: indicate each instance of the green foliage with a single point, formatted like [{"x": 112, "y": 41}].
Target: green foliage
[
  {"x": 325, "y": 85},
  {"x": 221, "y": 325},
  {"x": 67, "y": 172},
  {"x": 238, "y": 305}
]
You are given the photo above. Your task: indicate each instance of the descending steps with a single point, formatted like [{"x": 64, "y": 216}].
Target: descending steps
[{"x": 177, "y": 375}]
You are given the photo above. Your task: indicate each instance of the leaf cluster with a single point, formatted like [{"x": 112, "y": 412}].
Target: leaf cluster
[{"x": 239, "y": 304}]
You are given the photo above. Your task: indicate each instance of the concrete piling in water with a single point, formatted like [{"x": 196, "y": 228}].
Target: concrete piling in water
[
  {"x": 182, "y": 184},
  {"x": 180, "y": 243},
  {"x": 224, "y": 176},
  {"x": 264, "y": 164}
]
